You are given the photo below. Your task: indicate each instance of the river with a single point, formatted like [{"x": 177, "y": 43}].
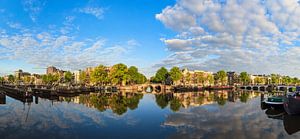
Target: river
[{"x": 219, "y": 114}]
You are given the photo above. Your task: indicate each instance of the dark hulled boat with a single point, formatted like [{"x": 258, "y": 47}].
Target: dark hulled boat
[{"x": 292, "y": 103}]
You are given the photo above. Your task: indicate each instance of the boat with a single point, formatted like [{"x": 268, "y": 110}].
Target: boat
[
  {"x": 292, "y": 103},
  {"x": 274, "y": 101},
  {"x": 275, "y": 113},
  {"x": 291, "y": 123}
]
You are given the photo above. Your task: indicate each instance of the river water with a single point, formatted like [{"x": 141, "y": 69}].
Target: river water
[{"x": 219, "y": 114}]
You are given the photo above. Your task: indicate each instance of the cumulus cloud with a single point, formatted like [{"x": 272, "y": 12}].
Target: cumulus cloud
[
  {"x": 67, "y": 52},
  {"x": 257, "y": 36}
]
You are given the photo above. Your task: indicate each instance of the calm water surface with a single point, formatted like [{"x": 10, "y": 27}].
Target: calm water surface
[{"x": 219, "y": 114}]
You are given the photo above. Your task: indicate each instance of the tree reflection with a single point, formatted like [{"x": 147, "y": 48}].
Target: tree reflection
[
  {"x": 244, "y": 97},
  {"x": 119, "y": 103},
  {"x": 162, "y": 100},
  {"x": 175, "y": 104}
]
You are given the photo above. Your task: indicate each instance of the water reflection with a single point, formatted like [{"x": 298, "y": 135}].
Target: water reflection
[{"x": 208, "y": 114}]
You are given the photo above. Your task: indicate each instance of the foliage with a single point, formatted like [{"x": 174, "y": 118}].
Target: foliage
[
  {"x": 175, "y": 104},
  {"x": 175, "y": 74},
  {"x": 68, "y": 76},
  {"x": 99, "y": 75},
  {"x": 83, "y": 77},
  {"x": 245, "y": 78},
  {"x": 162, "y": 100},
  {"x": 161, "y": 75},
  {"x": 27, "y": 79},
  {"x": 201, "y": 78},
  {"x": 118, "y": 74},
  {"x": 210, "y": 79},
  {"x": 50, "y": 78},
  {"x": 221, "y": 77},
  {"x": 275, "y": 78},
  {"x": 11, "y": 78},
  {"x": 244, "y": 97},
  {"x": 135, "y": 77}
]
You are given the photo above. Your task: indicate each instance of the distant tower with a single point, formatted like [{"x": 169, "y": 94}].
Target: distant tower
[
  {"x": 51, "y": 70},
  {"x": 230, "y": 76}
]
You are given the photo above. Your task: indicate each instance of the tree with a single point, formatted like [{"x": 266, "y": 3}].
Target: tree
[
  {"x": 245, "y": 78},
  {"x": 162, "y": 100},
  {"x": 210, "y": 79},
  {"x": 161, "y": 75},
  {"x": 221, "y": 76},
  {"x": 275, "y": 79},
  {"x": 118, "y": 74},
  {"x": 82, "y": 77},
  {"x": 258, "y": 80},
  {"x": 99, "y": 75},
  {"x": 175, "y": 74},
  {"x": 134, "y": 76},
  {"x": 175, "y": 104},
  {"x": 1, "y": 79},
  {"x": 68, "y": 76},
  {"x": 27, "y": 79},
  {"x": 11, "y": 78},
  {"x": 141, "y": 79},
  {"x": 200, "y": 78},
  {"x": 287, "y": 80},
  {"x": 50, "y": 78}
]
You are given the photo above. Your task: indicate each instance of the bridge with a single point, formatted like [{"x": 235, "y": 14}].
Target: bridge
[
  {"x": 148, "y": 88},
  {"x": 270, "y": 87}
]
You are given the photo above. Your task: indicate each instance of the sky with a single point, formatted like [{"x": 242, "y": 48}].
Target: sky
[{"x": 259, "y": 36}]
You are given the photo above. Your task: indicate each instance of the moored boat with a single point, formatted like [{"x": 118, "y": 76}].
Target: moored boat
[
  {"x": 275, "y": 101},
  {"x": 292, "y": 103}
]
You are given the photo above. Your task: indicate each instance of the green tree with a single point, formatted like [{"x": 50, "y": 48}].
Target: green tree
[
  {"x": 99, "y": 75},
  {"x": 1, "y": 79},
  {"x": 11, "y": 78},
  {"x": 221, "y": 77},
  {"x": 50, "y": 78},
  {"x": 275, "y": 78},
  {"x": 175, "y": 74},
  {"x": 83, "y": 77},
  {"x": 141, "y": 79},
  {"x": 175, "y": 104},
  {"x": 161, "y": 75},
  {"x": 134, "y": 77},
  {"x": 210, "y": 79},
  {"x": 245, "y": 78},
  {"x": 68, "y": 76},
  {"x": 201, "y": 78},
  {"x": 162, "y": 100},
  {"x": 287, "y": 80},
  {"x": 27, "y": 79},
  {"x": 118, "y": 74}
]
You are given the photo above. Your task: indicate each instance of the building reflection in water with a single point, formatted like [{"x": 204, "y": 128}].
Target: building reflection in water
[{"x": 120, "y": 102}]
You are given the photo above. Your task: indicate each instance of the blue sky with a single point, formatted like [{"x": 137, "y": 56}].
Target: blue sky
[
  {"x": 261, "y": 36},
  {"x": 116, "y": 22}
]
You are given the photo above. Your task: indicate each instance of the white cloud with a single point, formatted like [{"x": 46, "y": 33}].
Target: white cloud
[
  {"x": 33, "y": 7},
  {"x": 44, "y": 49},
  {"x": 95, "y": 11},
  {"x": 256, "y": 36}
]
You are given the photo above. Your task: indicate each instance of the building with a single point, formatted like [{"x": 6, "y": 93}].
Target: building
[
  {"x": 192, "y": 77},
  {"x": 232, "y": 78},
  {"x": 260, "y": 79},
  {"x": 54, "y": 70},
  {"x": 77, "y": 76},
  {"x": 19, "y": 74}
]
